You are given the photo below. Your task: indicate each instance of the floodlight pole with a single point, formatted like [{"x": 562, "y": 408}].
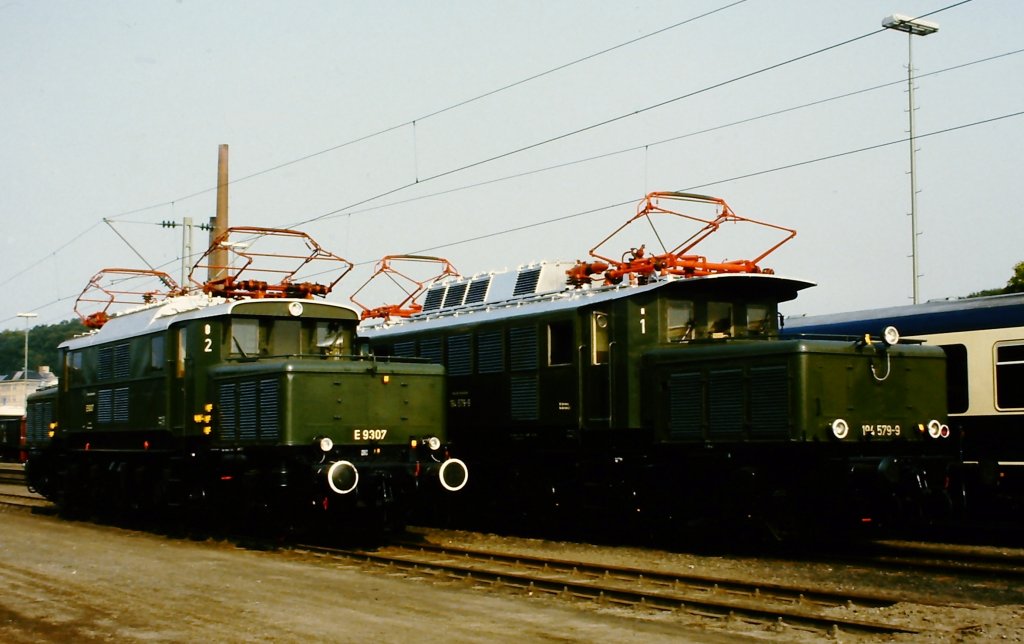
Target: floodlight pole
[
  {"x": 912, "y": 28},
  {"x": 24, "y": 373}
]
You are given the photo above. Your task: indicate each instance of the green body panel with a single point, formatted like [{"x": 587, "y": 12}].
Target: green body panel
[
  {"x": 172, "y": 385},
  {"x": 766, "y": 387},
  {"x": 350, "y": 401},
  {"x": 794, "y": 390}
]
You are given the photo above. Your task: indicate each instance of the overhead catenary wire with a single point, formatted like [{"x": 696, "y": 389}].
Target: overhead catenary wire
[
  {"x": 574, "y": 132},
  {"x": 615, "y": 119},
  {"x": 651, "y": 144},
  {"x": 549, "y": 140},
  {"x": 462, "y": 103},
  {"x": 788, "y": 166},
  {"x": 633, "y": 200},
  {"x": 393, "y": 128}
]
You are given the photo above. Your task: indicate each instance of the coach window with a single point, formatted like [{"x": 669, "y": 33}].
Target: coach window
[
  {"x": 957, "y": 393},
  {"x": 560, "y": 344},
  {"x": 720, "y": 319},
  {"x": 1010, "y": 376},
  {"x": 599, "y": 341},
  {"x": 757, "y": 319},
  {"x": 680, "y": 321}
]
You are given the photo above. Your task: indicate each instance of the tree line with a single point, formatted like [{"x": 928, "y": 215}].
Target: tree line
[{"x": 42, "y": 346}]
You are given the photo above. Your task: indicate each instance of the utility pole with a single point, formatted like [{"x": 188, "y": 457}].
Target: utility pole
[
  {"x": 24, "y": 373},
  {"x": 912, "y": 27},
  {"x": 187, "y": 227}
]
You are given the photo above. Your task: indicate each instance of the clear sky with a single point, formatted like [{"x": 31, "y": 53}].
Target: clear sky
[{"x": 115, "y": 109}]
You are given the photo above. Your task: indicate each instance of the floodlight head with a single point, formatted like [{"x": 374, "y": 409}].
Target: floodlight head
[{"x": 910, "y": 25}]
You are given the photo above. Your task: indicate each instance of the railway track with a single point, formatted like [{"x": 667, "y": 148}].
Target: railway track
[
  {"x": 774, "y": 605},
  {"x": 13, "y": 492},
  {"x": 23, "y": 500},
  {"x": 12, "y": 474},
  {"x": 939, "y": 559},
  {"x": 801, "y": 608}
]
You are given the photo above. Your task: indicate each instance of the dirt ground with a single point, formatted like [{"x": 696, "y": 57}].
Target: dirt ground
[{"x": 82, "y": 582}]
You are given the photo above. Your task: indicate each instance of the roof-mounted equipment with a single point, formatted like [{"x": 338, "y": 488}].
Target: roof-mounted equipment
[
  {"x": 410, "y": 286},
  {"x": 268, "y": 273},
  {"x": 637, "y": 265},
  {"x": 129, "y": 286}
]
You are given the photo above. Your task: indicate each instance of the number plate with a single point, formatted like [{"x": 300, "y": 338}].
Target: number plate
[
  {"x": 880, "y": 430},
  {"x": 369, "y": 434}
]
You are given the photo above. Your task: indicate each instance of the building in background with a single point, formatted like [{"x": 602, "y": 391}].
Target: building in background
[{"x": 14, "y": 389}]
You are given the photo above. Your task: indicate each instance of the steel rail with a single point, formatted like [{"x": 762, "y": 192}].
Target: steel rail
[{"x": 565, "y": 579}]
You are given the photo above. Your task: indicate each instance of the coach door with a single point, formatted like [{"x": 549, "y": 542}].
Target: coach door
[{"x": 597, "y": 376}]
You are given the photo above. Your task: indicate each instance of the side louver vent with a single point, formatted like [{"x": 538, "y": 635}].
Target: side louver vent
[{"x": 249, "y": 410}]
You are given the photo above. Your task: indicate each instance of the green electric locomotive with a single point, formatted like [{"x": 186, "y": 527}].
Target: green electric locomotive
[
  {"x": 657, "y": 388},
  {"x": 242, "y": 399}
]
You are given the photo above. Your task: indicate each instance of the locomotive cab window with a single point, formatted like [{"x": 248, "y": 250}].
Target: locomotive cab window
[
  {"x": 179, "y": 365},
  {"x": 680, "y": 321},
  {"x": 156, "y": 352},
  {"x": 245, "y": 337},
  {"x": 720, "y": 320},
  {"x": 72, "y": 368},
  {"x": 758, "y": 319},
  {"x": 331, "y": 338},
  {"x": 1010, "y": 375},
  {"x": 560, "y": 343}
]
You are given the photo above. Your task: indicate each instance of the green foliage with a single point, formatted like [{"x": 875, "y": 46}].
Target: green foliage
[
  {"x": 1014, "y": 285},
  {"x": 42, "y": 345}
]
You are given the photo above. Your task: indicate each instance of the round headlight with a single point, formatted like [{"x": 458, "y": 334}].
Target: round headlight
[
  {"x": 326, "y": 444},
  {"x": 343, "y": 477},
  {"x": 434, "y": 443},
  {"x": 934, "y": 428},
  {"x": 890, "y": 335},
  {"x": 840, "y": 428},
  {"x": 453, "y": 474}
]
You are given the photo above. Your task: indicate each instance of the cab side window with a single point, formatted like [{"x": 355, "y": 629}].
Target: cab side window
[
  {"x": 757, "y": 319},
  {"x": 720, "y": 320},
  {"x": 560, "y": 343},
  {"x": 680, "y": 321}
]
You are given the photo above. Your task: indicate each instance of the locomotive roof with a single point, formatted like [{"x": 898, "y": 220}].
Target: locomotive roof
[
  {"x": 156, "y": 317},
  {"x": 939, "y": 316},
  {"x": 541, "y": 288}
]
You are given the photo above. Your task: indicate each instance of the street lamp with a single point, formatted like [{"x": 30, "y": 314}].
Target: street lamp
[
  {"x": 912, "y": 27},
  {"x": 24, "y": 373}
]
